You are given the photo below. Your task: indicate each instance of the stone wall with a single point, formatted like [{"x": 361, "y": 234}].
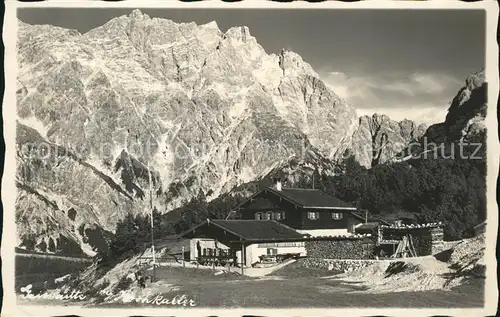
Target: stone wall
[
  {"x": 437, "y": 234},
  {"x": 334, "y": 265},
  {"x": 340, "y": 248},
  {"x": 440, "y": 246}
]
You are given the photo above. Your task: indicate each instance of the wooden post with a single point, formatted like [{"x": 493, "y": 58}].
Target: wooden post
[
  {"x": 153, "y": 253},
  {"x": 366, "y": 216},
  {"x": 183, "y": 258},
  {"x": 242, "y": 257}
]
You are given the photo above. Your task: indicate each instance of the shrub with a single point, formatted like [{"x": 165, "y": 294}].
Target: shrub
[{"x": 123, "y": 284}]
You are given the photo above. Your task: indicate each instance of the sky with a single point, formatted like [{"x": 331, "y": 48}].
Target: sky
[{"x": 403, "y": 63}]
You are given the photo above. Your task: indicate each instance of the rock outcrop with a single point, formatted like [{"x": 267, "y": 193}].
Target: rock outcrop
[
  {"x": 463, "y": 132},
  {"x": 378, "y": 139},
  {"x": 465, "y": 118}
]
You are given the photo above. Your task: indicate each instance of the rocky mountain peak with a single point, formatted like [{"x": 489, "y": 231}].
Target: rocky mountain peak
[
  {"x": 466, "y": 114},
  {"x": 211, "y": 25},
  {"x": 197, "y": 109},
  {"x": 378, "y": 139},
  {"x": 292, "y": 63},
  {"x": 238, "y": 33},
  {"x": 462, "y": 104},
  {"x": 475, "y": 80},
  {"x": 136, "y": 14}
]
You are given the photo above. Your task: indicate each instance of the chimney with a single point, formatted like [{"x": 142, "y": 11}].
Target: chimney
[{"x": 278, "y": 184}]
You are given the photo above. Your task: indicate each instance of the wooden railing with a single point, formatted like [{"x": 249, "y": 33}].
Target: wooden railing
[{"x": 215, "y": 260}]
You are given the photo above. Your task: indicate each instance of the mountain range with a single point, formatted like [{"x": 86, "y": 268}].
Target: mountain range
[{"x": 144, "y": 107}]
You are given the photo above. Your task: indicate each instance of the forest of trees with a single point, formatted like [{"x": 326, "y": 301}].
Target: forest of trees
[
  {"x": 133, "y": 232},
  {"x": 449, "y": 190}
]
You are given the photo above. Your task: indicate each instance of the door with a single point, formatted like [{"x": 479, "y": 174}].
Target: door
[{"x": 272, "y": 251}]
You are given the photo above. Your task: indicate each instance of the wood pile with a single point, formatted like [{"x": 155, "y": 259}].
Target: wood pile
[
  {"x": 423, "y": 244},
  {"x": 437, "y": 234},
  {"x": 340, "y": 248}
]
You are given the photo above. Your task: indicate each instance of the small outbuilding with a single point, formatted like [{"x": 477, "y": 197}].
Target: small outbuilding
[{"x": 423, "y": 237}]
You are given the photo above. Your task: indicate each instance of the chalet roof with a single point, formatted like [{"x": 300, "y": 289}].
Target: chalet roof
[
  {"x": 358, "y": 216},
  {"x": 400, "y": 215},
  {"x": 311, "y": 198},
  {"x": 381, "y": 221},
  {"x": 417, "y": 226},
  {"x": 253, "y": 230},
  {"x": 368, "y": 226},
  {"x": 482, "y": 224}
]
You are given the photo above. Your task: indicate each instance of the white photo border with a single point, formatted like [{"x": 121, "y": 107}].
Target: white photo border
[{"x": 10, "y": 308}]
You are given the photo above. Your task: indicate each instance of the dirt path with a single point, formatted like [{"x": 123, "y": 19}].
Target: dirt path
[{"x": 263, "y": 271}]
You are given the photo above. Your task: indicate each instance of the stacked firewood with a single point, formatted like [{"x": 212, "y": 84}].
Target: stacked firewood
[
  {"x": 423, "y": 244},
  {"x": 339, "y": 248}
]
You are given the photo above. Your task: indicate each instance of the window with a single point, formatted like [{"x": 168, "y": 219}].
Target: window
[
  {"x": 269, "y": 215},
  {"x": 313, "y": 215},
  {"x": 337, "y": 215}
]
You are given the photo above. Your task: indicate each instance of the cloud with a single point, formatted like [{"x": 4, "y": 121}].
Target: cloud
[
  {"x": 433, "y": 83},
  {"x": 422, "y": 97}
]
